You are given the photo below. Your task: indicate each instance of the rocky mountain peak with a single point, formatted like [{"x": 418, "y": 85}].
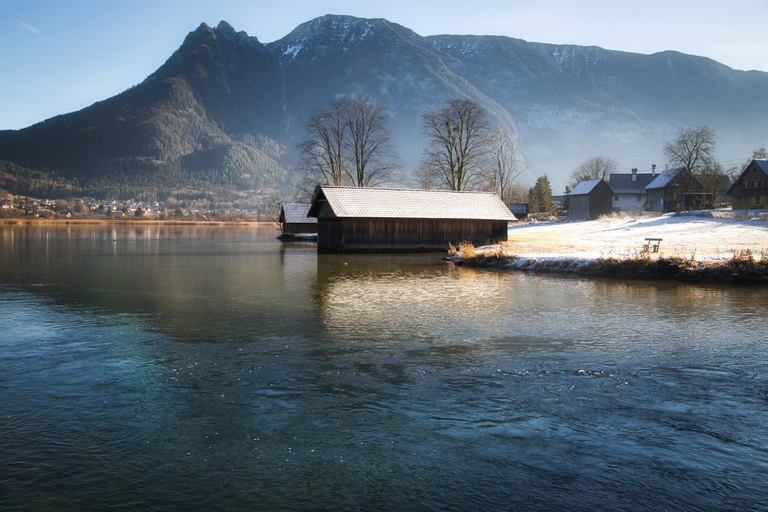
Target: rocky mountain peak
[
  {"x": 333, "y": 32},
  {"x": 226, "y": 31}
]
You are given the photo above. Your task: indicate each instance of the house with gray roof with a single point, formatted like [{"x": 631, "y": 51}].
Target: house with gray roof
[
  {"x": 666, "y": 191},
  {"x": 589, "y": 200},
  {"x": 629, "y": 194},
  {"x": 356, "y": 219},
  {"x": 294, "y": 221},
  {"x": 750, "y": 190}
]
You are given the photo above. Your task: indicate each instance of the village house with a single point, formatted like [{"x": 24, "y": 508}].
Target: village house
[
  {"x": 667, "y": 190},
  {"x": 294, "y": 221},
  {"x": 355, "y": 219},
  {"x": 589, "y": 200},
  {"x": 629, "y": 194},
  {"x": 750, "y": 190}
]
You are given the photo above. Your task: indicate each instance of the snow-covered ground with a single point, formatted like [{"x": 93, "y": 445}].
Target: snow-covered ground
[{"x": 704, "y": 236}]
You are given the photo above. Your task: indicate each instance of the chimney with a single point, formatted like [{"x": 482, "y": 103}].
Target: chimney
[
  {"x": 634, "y": 174},
  {"x": 653, "y": 169}
]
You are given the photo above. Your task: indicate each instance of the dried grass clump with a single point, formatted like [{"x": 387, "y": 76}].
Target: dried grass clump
[
  {"x": 467, "y": 250},
  {"x": 497, "y": 254},
  {"x": 743, "y": 258},
  {"x": 642, "y": 264},
  {"x": 466, "y": 254}
]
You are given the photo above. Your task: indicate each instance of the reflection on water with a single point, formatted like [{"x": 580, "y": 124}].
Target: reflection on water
[{"x": 177, "y": 367}]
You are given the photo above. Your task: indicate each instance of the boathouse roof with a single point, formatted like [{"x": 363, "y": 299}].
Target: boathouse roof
[
  {"x": 294, "y": 213},
  {"x": 359, "y": 202}
]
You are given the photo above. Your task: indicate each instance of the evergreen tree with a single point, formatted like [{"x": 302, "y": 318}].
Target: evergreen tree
[{"x": 540, "y": 196}]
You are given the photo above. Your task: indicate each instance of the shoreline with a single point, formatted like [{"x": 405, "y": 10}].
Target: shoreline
[
  {"x": 710, "y": 246},
  {"x": 20, "y": 221},
  {"x": 744, "y": 269}
]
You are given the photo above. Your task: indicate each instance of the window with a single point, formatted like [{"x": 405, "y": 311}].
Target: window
[
  {"x": 616, "y": 198},
  {"x": 757, "y": 199},
  {"x": 751, "y": 184}
]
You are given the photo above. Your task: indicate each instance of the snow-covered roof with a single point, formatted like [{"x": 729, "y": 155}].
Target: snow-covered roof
[
  {"x": 584, "y": 187},
  {"x": 358, "y": 202},
  {"x": 293, "y": 213},
  {"x": 663, "y": 179}
]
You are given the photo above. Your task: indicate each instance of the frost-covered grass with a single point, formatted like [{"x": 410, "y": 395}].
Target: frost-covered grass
[
  {"x": 742, "y": 268},
  {"x": 711, "y": 246}
]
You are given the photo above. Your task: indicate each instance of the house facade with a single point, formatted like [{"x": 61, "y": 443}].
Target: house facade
[
  {"x": 589, "y": 200},
  {"x": 666, "y": 191},
  {"x": 356, "y": 219},
  {"x": 629, "y": 194},
  {"x": 750, "y": 190}
]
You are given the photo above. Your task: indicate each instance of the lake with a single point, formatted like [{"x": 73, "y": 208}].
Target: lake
[{"x": 158, "y": 367}]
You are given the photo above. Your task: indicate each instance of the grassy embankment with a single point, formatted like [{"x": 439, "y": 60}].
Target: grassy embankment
[
  {"x": 743, "y": 268},
  {"x": 743, "y": 265}
]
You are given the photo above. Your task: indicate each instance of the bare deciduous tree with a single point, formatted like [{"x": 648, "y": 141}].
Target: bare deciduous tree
[
  {"x": 713, "y": 179},
  {"x": 323, "y": 145},
  {"x": 367, "y": 142},
  {"x": 456, "y": 142},
  {"x": 593, "y": 168},
  {"x": 347, "y": 144},
  {"x": 270, "y": 208},
  {"x": 504, "y": 162},
  {"x": 518, "y": 193},
  {"x": 692, "y": 148}
]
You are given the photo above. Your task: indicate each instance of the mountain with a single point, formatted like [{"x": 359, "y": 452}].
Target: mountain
[{"x": 219, "y": 121}]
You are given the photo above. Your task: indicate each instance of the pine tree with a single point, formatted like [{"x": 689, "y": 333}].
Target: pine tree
[{"x": 541, "y": 196}]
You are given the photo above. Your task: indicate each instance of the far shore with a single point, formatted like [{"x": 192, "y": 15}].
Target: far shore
[{"x": 138, "y": 222}]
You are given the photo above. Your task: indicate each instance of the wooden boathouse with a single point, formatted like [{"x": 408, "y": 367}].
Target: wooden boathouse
[
  {"x": 294, "y": 221},
  {"x": 355, "y": 219}
]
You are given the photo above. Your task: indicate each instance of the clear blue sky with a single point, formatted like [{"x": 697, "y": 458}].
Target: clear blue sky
[{"x": 60, "y": 56}]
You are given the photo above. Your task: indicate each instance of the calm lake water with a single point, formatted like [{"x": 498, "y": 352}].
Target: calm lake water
[{"x": 190, "y": 368}]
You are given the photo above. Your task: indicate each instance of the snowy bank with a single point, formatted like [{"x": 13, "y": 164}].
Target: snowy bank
[{"x": 705, "y": 246}]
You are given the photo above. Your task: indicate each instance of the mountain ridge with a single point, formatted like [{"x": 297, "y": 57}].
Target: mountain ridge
[{"x": 220, "y": 119}]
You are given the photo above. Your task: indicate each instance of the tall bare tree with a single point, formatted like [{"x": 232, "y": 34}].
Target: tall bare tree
[
  {"x": 593, "y": 168},
  {"x": 456, "y": 142},
  {"x": 692, "y": 148},
  {"x": 367, "y": 141},
  {"x": 323, "y": 145},
  {"x": 347, "y": 143},
  {"x": 504, "y": 162}
]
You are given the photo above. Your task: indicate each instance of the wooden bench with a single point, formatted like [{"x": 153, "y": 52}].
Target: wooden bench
[{"x": 652, "y": 244}]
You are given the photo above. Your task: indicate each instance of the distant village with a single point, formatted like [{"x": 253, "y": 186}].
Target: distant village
[
  {"x": 112, "y": 208},
  {"x": 670, "y": 191}
]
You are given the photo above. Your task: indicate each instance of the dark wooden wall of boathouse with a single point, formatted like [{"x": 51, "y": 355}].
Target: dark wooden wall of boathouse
[{"x": 404, "y": 235}]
